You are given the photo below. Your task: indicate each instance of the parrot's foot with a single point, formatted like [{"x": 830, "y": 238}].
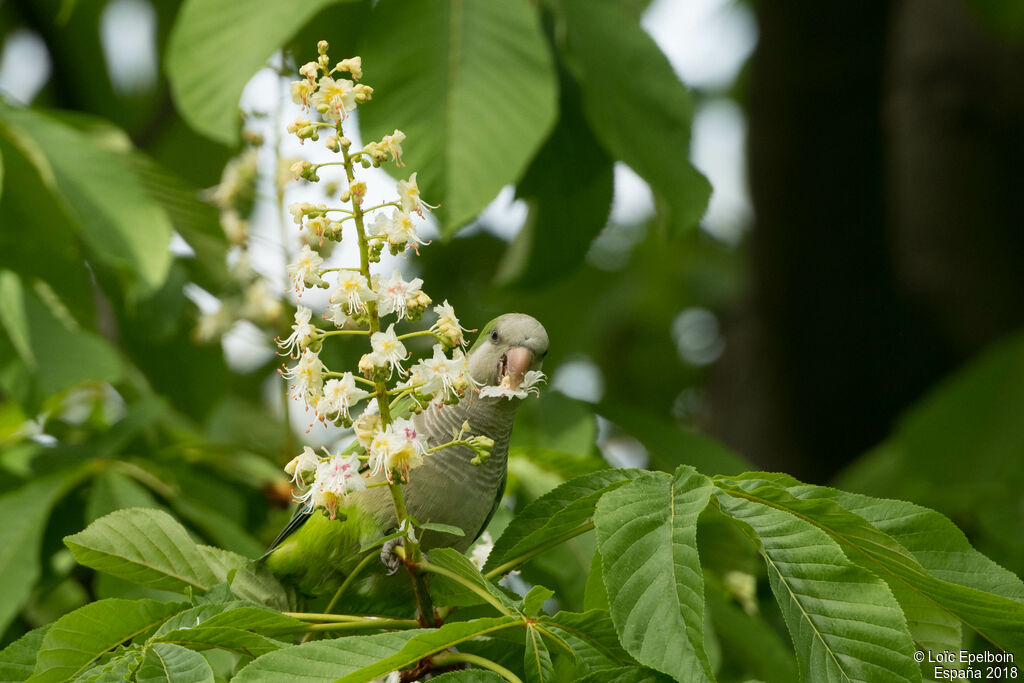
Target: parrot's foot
[{"x": 392, "y": 561}]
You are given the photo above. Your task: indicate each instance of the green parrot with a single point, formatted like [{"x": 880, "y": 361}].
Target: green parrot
[{"x": 315, "y": 553}]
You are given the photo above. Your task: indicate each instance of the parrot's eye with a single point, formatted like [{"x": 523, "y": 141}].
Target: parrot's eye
[{"x": 494, "y": 335}]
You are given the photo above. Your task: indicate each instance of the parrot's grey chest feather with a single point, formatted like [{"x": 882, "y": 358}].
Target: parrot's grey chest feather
[{"x": 447, "y": 488}]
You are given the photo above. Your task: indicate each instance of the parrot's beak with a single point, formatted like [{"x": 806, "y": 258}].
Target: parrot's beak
[{"x": 513, "y": 365}]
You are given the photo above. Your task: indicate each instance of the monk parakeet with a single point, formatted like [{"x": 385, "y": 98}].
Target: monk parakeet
[{"x": 315, "y": 552}]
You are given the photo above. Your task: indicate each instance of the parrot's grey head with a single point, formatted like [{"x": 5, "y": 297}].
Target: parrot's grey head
[{"x": 508, "y": 346}]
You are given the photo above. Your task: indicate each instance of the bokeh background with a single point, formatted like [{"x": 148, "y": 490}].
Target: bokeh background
[{"x": 848, "y": 308}]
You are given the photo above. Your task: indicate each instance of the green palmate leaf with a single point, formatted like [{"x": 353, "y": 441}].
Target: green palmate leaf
[
  {"x": 227, "y": 638},
  {"x": 194, "y": 219},
  {"x": 215, "y": 48},
  {"x": 18, "y": 660},
  {"x": 218, "y": 527},
  {"x": 14, "y": 318},
  {"x": 124, "y": 229},
  {"x": 53, "y": 254},
  {"x": 238, "y": 614},
  {"x": 844, "y": 620},
  {"x": 959, "y": 451},
  {"x": 754, "y": 649},
  {"x": 533, "y": 602},
  {"x": 119, "y": 668},
  {"x": 23, "y": 515},
  {"x": 79, "y": 638},
  {"x": 647, "y": 123},
  {"x": 647, "y": 535},
  {"x": 112, "y": 491},
  {"x": 443, "y": 528},
  {"x": 325, "y": 661},
  {"x": 471, "y": 83},
  {"x": 429, "y": 642},
  {"x": 143, "y": 546},
  {"x": 248, "y": 580},
  {"x": 555, "y": 514},
  {"x": 984, "y": 598},
  {"x": 591, "y": 636},
  {"x": 632, "y": 674},
  {"x": 537, "y": 659},
  {"x": 569, "y": 202},
  {"x": 61, "y": 354},
  {"x": 595, "y": 596},
  {"x": 453, "y": 592},
  {"x": 167, "y": 663}
]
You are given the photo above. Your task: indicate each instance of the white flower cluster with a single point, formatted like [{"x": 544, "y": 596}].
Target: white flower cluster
[
  {"x": 359, "y": 304},
  {"x": 246, "y": 295}
]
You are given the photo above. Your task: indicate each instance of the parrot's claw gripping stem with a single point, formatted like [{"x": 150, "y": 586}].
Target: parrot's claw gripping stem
[{"x": 392, "y": 561}]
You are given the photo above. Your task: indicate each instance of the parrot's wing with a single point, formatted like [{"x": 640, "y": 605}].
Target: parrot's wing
[
  {"x": 499, "y": 494},
  {"x": 301, "y": 514}
]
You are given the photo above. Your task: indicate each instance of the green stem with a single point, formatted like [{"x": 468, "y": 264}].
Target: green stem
[
  {"x": 421, "y": 333},
  {"x": 448, "y": 445},
  {"x": 487, "y": 597},
  {"x": 393, "y": 624},
  {"x": 426, "y": 608},
  {"x": 146, "y": 478},
  {"x": 449, "y": 658},
  {"x": 533, "y": 552},
  {"x": 348, "y": 580},
  {"x": 335, "y": 333},
  {"x": 380, "y": 206},
  {"x": 334, "y": 618}
]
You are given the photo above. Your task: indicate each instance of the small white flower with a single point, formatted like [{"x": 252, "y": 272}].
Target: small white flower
[
  {"x": 395, "y": 294},
  {"x": 392, "y": 144},
  {"x": 339, "y": 396},
  {"x": 398, "y": 229},
  {"x": 298, "y": 210},
  {"x": 336, "y": 314},
  {"x": 338, "y": 95},
  {"x": 305, "y": 272},
  {"x": 353, "y": 65},
  {"x": 381, "y": 225},
  {"x": 336, "y": 477},
  {"x": 353, "y": 290},
  {"x": 398, "y": 448},
  {"x": 388, "y": 351},
  {"x": 300, "y": 91},
  {"x": 439, "y": 376},
  {"x": 309, "y": 70},
  {"x": 302, "y": 333},
  {"x": 307, "y": 377},
  {"x": 526, "y": 387},
  {"x": 447, "y": 326},
  {"x": 409, "y": 195},
  {"x": 302, "y": 463},
  {"x": 367, "y": 424}
]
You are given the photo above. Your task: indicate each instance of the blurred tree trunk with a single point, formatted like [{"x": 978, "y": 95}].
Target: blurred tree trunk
[{"x": 885, "y": 147}]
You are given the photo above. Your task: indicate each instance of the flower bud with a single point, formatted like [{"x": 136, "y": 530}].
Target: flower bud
[
  {"x": 322, "y": 47},
  {"x": 358, "y": 190},
  {"x": 482, "y": 447},
  {"x": 364, "y": 93}
]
